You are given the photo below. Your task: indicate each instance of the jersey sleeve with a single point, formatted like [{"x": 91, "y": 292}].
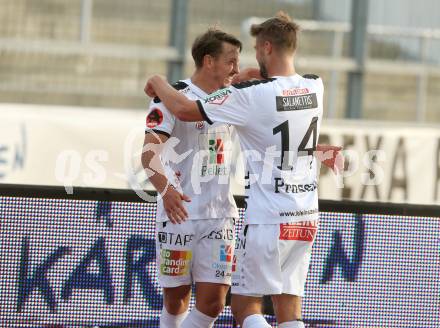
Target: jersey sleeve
[
  {"x": 317, "y": 81},
  {"x": 320, "y": 85},
  {"x": 159, "y": 119},
  {"x": 228, "y": 105}
]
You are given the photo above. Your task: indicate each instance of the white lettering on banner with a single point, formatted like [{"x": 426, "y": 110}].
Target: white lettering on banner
[
  {"x": 13, "y": 148},
  {"x": 374, "y": 175},
  {"x": 409, "y": 164},
  {"x": 399, "y": 180},
  {"x": 392, "y": 166},
  {"x": 67, "y": 169},
  {"x": 97, "y": 172}
]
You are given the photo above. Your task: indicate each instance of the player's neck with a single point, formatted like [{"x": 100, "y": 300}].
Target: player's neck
[
  {"x": 204, "y": 83},
  {"x": 281, "y": 67}
]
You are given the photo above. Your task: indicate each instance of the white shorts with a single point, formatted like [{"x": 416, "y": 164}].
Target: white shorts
[
  {"x": 195, "y": 251},
  {"x": 273, "y": 258}
]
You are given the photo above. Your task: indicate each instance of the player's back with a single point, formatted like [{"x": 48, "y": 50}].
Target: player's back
[
  {"x": 278, "y": 138},
  {"x": 284, "y": 131}
]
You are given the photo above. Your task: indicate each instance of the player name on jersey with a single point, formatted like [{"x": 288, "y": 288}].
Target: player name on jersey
[
  {"x": 282, "y": 185},
  {"x": 288, "y": 103}
]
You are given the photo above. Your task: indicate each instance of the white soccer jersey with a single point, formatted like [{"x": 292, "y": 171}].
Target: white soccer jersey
[
  {"x": 278, "y": 122},
  {"x": 197, "y": 159}
]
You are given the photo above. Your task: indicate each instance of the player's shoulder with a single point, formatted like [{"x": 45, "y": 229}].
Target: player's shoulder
[
  {"x": 313, "y": 80},
  {"x": 179, "y": 85},
  {"x": 251, "y": 83},
  {"x": 310, "y": 76}
]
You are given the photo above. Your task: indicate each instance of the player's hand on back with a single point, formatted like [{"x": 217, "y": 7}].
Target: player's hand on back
[
  {"x": 331, "y": 156},
  {"x": 173, "y": 205}
]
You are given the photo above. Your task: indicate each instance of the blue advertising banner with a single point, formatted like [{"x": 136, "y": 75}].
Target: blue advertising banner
[{"x": 73, "y": 262}]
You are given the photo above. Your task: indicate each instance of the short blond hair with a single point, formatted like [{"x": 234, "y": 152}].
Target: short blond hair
[{"x": 280, "y": 30}]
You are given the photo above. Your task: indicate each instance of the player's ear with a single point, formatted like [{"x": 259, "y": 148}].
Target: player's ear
[
  {"x": 208, "y": 61},
  {"x": 268, "y": 48}
]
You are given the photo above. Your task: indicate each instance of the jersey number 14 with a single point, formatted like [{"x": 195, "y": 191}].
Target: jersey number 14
[{"x": 283, "y": 128}]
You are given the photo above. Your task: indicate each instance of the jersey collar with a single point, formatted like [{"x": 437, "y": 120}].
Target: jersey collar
[{"x": 196, "y": 90}]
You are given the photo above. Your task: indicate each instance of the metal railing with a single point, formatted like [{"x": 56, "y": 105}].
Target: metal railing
[{"x": 335, "y": 62}]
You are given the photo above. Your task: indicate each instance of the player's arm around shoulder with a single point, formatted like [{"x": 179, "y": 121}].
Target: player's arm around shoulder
[{"x": 178, "y": 104}]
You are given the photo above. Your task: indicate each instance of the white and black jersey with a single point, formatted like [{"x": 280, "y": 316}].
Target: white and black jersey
[
  {"x": 196, "y": 158},
  {"x": 278, "y": 122}
]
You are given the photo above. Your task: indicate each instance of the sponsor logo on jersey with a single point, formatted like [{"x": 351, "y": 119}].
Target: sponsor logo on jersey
[
  {"x": 155, "y": 118},
  {"x": 222, "y": 260},
  {"x": 200, "y": 125},
  {"x": 223, "y": 234},
  {"x": 295, "y": 91},
  {"x": 225, "y": 267},
  {"x": 218, "y": 97},
  {"x": 213, "y": 170},
  {"x": 215, "y": 164},
  {"x": 174, "y": 263},
  {"x": 226, "y": 252},
  {"x": 299, "y": 213},
  {"x": 304, "y": 231},
  {"x": 175, "y": 239},
  {"x": 216, "y": 155},
  {"x": 301, "y": 102}
]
